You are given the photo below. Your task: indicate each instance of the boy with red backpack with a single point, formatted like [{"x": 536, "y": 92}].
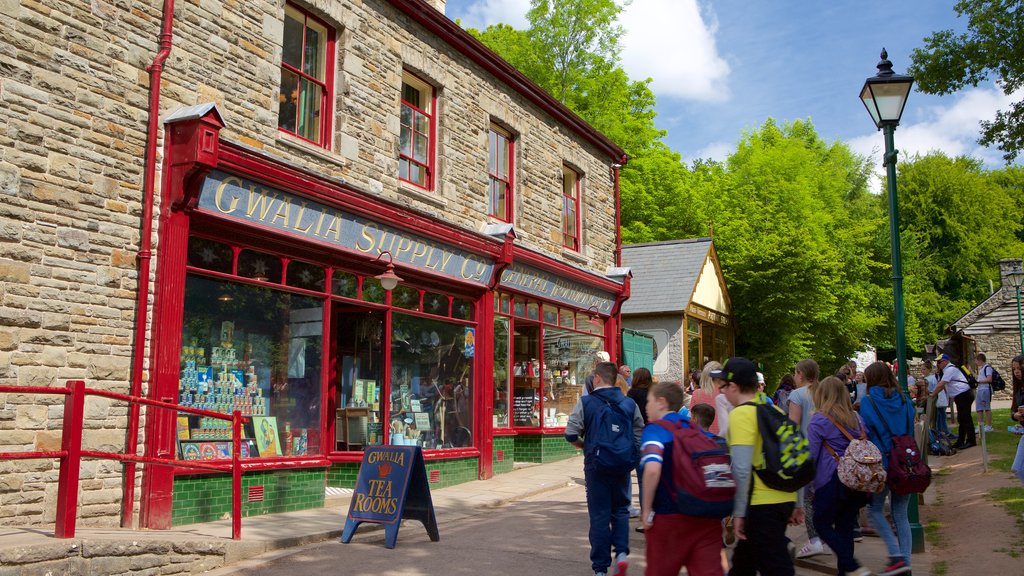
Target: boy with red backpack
[{"x": 702, "y": 486}]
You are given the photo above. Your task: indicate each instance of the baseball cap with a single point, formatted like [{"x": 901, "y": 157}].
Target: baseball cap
[
  {"x": 944, "y": 357},
  {"x": 760, "y": 378},
  {"x": 739, "y": 370}
]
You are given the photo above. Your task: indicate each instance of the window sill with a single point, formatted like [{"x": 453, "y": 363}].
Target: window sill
[
  {"x": 289, "y": 141},
  {"x": 575, "y": 256},
  {"x": 418, "y": 194}
]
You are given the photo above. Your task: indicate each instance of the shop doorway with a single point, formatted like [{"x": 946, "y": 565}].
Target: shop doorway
[{"x": 357, "y": 373}]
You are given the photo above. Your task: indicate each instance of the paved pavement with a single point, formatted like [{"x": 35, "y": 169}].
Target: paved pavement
[{"x": 266, "y": 536}]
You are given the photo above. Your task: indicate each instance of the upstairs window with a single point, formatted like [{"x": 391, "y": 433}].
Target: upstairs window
[
  {"x": 416, "y": 141},
  {"x": 499, "y": 169},
  {"x": 570, "y": 208},
  {"x": 306, "y": 69}
]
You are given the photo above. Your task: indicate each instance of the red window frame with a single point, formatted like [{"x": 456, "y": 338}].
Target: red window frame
[
  {"x": 570, "y": 209},
  {"x": 499, "y": 141},
  {"x": 428, "y": 166},
  {"x": 325, "y": 85}
]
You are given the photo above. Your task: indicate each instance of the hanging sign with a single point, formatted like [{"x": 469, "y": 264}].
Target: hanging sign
[
  {"x": 392, "y": 485},
  {"x": 546, "y": 285},
  {"x": 242, "y": 199}
]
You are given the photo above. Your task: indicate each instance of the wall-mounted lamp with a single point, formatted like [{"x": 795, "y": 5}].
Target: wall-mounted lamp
[
  {"x": 388, "y": 279},
  {"x": 595, "y": 316}
]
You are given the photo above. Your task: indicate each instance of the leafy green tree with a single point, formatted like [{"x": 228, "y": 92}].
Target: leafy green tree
[{"x": 993, "y": 47}]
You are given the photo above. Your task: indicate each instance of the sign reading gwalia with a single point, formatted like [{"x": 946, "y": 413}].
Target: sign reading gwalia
[{"x": 242, "y": 199}]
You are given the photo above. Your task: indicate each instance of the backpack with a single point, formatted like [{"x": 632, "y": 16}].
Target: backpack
[
  {"x": 788, "y": 465},
  {"x": 908, "y": 474},
  {"x": 860, "y": 467},
  {"x": 971, "y": 380},
  {"x": 608, "y": 439},
  {"x": 998, "y": 384},
  {"x": 701, "y": 473},
  {"x": 940, "y": 444}
]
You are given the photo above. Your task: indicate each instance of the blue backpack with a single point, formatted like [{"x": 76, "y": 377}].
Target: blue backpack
[{"x": 608, "y": 439}]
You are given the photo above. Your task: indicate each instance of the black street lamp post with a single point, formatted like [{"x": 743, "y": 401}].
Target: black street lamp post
[{"x": 1016, "y": 279}]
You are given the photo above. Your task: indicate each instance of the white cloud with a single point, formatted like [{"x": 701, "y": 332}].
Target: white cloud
[
  {"x": 717, "y": 151},
  {"x": 670, "y": 41},
  {"x": 483, "y": 13},
  {"x": 952, "y": 130}
]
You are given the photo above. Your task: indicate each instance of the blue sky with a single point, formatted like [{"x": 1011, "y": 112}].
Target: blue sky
[{"x": 720, "y": 68}]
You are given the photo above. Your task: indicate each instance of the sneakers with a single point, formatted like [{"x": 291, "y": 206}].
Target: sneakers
[
  {"x": 813, "y": 548},
  {"x": 621, "y": 564},
  {"x": 634, "y": 512},
  {"x": 989, "y": 429},
  {"x": 898, "y": 567},
  {"x": 862, "y": 571}
]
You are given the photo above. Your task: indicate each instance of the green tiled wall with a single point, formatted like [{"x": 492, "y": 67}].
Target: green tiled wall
[
  {"x": 203, "y": 498},
  {"x": 457, "y": 471},
  {"x": 343, "y": 475},
  {"x": 543, "y": 448},
  {"x": 508, "y": 444}
]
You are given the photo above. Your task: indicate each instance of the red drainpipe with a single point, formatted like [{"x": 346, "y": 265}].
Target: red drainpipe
[
  {"x": 618, "y": 229},
  {"x": 142, "y": 302}
]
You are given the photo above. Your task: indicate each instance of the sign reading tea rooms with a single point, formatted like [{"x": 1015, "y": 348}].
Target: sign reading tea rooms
[
  {"x": 545, "y": 285},
  {"x": 242, "y": 199}
]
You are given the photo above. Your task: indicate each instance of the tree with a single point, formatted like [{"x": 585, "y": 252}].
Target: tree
[{"x": 994, "y": 45}]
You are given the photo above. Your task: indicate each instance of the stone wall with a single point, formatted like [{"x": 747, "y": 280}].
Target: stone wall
[
  {"x": 672, "y": 371},
  {"x": 73, "y": 111}
]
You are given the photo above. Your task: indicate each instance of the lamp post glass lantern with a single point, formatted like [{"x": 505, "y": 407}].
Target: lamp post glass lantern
[
  {"x": 1016, "y": 279},
  {"x": 885, "y": 95}
]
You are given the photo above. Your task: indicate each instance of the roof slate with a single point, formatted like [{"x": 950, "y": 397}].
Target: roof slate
[{"x": 664, "y": 274}]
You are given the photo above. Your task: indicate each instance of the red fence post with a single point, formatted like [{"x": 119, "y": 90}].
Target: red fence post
[
  {"x": 71, "y": 463},
  {"x": 236, "y": 475}
]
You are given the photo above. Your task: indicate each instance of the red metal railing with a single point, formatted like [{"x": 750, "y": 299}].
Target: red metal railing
[{"x": 71, "y": 453}]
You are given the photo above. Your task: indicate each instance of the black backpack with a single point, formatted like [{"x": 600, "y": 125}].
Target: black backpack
[
  {"x": 608, "y": 437},
  {"x": 998, "y": 384},
  {"x": 788, "y": 465}
]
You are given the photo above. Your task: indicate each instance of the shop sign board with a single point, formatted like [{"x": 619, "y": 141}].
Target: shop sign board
[
  {"x": 392, "y": 486},
  {"x": 249, "y": 201},
  {"x": 546, "y": 285},
  {"x": 709, "y": 315}
]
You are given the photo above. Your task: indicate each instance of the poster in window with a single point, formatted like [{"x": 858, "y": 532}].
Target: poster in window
[
  {"x": 469, "y": 342},
  {"x": 267, "y": 439}
]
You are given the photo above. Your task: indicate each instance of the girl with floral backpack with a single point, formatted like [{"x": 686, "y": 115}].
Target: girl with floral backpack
[{"x": 836, "y": 505}]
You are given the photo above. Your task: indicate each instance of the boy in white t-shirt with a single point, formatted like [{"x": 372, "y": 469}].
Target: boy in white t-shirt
[{"x": 983, "y": 395}]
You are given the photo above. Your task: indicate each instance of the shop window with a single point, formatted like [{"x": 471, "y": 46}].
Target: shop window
[
  {"x": 210, "y": 255},
  {"x": 568, "y": 358},
  {"x": 551, "y": 315},
  {"x": 360, "y": 380},
  {"x": 693, "y": 357},
  {"x": 505, "y": 303},
  {"x": 526, "y": 372},
  {"x": 305, "y": 275},
  {"x": 436, "y": 304},
  {"x": 566, "y": 318},
  {"x": 501, "y": 372},
  {"x": 259, "y": 266},
  {"x": 519, "y": 307},
  {"x": 499, "y": 169},
  {"x": 707, "y": 343},
  {"x": 432, "y": 395},
  {"x": 462, "y": 309},
  {"x": 416, "y": 144},
  {"x": 256, "y": 350},
  {"x": 533, "y": 311},
  {"x": 373, "y": 291},
  {"x": 306, "y": 69},
  {"x": 405, "y": 297},
  {"x": 570, "y": 208},
  {"x": 344, "y": 284}
]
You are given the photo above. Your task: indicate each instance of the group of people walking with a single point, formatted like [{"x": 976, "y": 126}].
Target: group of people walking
[{"x": 727, "y": 436}]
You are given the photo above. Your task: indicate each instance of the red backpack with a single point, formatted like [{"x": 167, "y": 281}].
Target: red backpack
[
  {"x": 908, "y": 474},
  {"x": 701, "y": 473}
]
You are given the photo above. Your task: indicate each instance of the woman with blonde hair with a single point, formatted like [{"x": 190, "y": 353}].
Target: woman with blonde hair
[
  {"x": 707, "y": 392},
  {"x": 835, "y": 506}
]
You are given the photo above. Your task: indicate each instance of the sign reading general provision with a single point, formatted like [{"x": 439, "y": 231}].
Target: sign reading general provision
[
  {"x": 242, "y": 199},
  {"x": 540, "y": 283}
]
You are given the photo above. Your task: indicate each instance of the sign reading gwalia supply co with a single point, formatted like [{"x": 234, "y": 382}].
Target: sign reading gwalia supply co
[
  {"x": 242, "y": 199},
  {"x": 546, "y": 285}
]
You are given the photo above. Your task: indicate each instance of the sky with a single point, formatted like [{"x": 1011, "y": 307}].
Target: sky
[{"x": 722, "y": 68}]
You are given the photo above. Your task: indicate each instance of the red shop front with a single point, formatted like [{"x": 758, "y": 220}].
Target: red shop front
[{"x": 272, "y": 299}]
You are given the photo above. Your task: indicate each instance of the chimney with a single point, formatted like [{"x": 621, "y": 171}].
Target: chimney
[{"x": 1008, "y": 266}]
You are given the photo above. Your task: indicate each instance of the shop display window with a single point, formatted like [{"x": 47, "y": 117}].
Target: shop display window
[
  {"x": 210, "y": 255},
  {"x": 501, "y": 372},
  {"x": 360, "y": 378},
  {"x": 568, "y": 358},
  {"x": 259, "y": 266},
  {"x": 693, "y": 345},
  {"x": 256, "y": 350},
  {"x": 526, "y": 371},
  {"x": 432, "y": 365}
]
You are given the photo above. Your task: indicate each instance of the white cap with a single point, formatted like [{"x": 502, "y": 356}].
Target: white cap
[
  {"x": 602, "y": 356},
  {"x": 760, "y": 378}
]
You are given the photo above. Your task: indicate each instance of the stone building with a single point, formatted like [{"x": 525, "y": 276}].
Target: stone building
[{"x": 202, "y": 203}]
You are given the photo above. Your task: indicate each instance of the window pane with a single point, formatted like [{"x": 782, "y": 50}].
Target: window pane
[
  {"x": 462, "y": 309},
  {"x": 526, "y": 376},
  {"x": 505, "y": 299},
  {"x": 693, "y": 356},
  {"x": 203, "y": 253},
  {"x": 403, "y": 169},
  {"x": 420, "y": 154},
  {"x": 519, "y": 307},
  {"x": 417, "y": 175},
  {"x": 550, "y": 315},
  {"x": 373, "y": 291},
  {"x": 304, "y": 275},
  {"x": 533, "y": 311},
  {"x": 435, "y": 304},
  {"x": 344, "y": 284},
  {"x": 259, "y": 266},
  {"x": 411, "y": 95},
  {"x": 315, "y": 47},
  {"x": 405, "y": 297},
  {"x": 291, "y": 50},
  {"x": 256, "y": 350},
  {"x": 422, "y": 123},
  {"x": 501, "y": 372},
  {"x": 432, "y": 372},
  {"x": 360, "y": 380},
  {"x": 289, "y": 100},
  {"x": 568, "y": 358},
  {"x": 492, "y": 151},
  {"x": 310, "y": 98},
  {"x": 565, "y": 318},
  {"x": 405, "y": 136}
]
